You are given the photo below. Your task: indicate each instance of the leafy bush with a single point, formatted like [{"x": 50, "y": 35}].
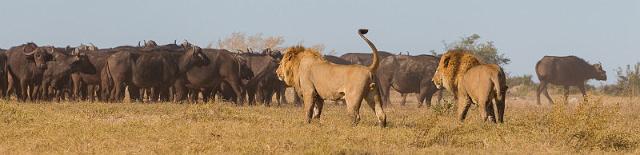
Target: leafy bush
[
  {"x": 486, "y": 51},
  {"x": 628, "y": 82},
  {"x": 521, "y": 85}
]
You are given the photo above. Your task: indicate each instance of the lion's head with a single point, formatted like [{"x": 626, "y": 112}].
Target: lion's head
[
  {"x": 289, "y": 65},
  {"x": 452, "y": 67}
]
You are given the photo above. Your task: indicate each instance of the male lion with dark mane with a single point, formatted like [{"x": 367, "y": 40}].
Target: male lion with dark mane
[
  {"x": 316, "y": 79},
  {"x": 472, "y": 81}
]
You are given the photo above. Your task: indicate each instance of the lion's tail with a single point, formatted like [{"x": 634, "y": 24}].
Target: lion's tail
[
  {"x": 499, "y": 84},
  {"x": 376, "y": 62}
]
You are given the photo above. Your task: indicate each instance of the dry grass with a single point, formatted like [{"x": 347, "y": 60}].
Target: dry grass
[{"x": 605, "y": 124}]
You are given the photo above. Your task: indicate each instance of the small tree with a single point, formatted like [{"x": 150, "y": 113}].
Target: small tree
[
  {"x": 241, "y": 42},
  {"x": 524, "y": 80},
  {"x": 521, "y": 85},
  {"x": 629, "y": 79},
  {"x": 486, "y": 51}
]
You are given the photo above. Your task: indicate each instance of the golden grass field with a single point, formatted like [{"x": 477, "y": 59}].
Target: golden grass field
[{"x": 602, "y": 125}]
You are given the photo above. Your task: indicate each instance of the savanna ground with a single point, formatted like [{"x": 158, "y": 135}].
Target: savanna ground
[{"x": 604, "y": 124}]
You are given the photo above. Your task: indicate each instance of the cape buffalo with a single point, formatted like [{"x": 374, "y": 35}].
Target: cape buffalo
[
  {"x": 157, "y": 69},
  {"x": 56, "y": 76},
  {"x": 225, "y": 67},
  {"x": 363, "y": 58},
  {"x": 566, "y": 71},
  {"x": 263, "y": 65},
  {"x": 262, "y": 87},
  {"x": 86, "y": 86},
  {"x": 25, "y": 64},
  {"x": 408, "y": 74},
  {"x": 3, "y": 73}
]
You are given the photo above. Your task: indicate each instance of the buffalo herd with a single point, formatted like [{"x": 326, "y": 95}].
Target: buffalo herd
[
  {"x": 147, "y": 73},
  {"x": 185, "y": 72}
]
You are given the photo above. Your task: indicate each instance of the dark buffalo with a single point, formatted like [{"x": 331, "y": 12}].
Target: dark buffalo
[
  {"x": 25, "y": 64},
  {"x": 87, "y": 86},
  {"x": 3, "y": 74},
  {"x": 260, "y": 64},
  {"x": 271, "y": 85},
  {"x": 56, "y": 76},
  {"x": 363, "y": 58},
  {"x": 408, "y": 74},
  {"x": 225, "y": 67},
  {"x": 156, "y": 68},
  {"x": 566, "y": 71},
  {"x": 265, "y": 83}
]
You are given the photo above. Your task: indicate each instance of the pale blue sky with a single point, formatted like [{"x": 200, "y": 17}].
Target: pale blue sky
[{"x": 597, "y": 30}]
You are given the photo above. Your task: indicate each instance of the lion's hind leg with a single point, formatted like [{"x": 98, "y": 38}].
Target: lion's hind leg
[
  {"x": 375, "y": 103},
  {"x": 485, "y": 107},
  {"x": 491, "y": 110},
  {"x": 353, "y": 101}
]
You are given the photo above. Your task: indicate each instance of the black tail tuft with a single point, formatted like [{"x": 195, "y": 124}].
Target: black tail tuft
[{"x": 363, "y": 31}]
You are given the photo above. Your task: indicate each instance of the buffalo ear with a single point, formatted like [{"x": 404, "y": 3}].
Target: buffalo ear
[
  {"x": 28, "y": 50},
  {"x": 597, "y": 66}
]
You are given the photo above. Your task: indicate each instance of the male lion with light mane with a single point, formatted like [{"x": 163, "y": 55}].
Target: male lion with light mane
[
  {"x": 470, "y": 80},
  {"x": 316, "y": 79}
]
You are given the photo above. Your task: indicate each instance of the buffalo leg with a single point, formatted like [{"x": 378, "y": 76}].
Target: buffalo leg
[
  {"x": 153, "y": 94},
  {"x": 282, "y": 99},
  {"x": 180, "y": 91},
  {"x": 385, "y": 91},
  {"x": 206, "y": 95},
  {"x": 76, "y": 87},
  {"x": 543, "y": 89},
  {"x": 251, "y": 94},
  {"x": 117, "y": 93},
  {"x": 33, "y": 93},
  {"x": 404, "y": 99},
  {"x": 236, "y": 86},
  {"x": 22, "y": 90},
  {"x": 268, "y": 96},
  {"x": 164, "y": 94},
  {"x": 195, "y": 95},
  {"x": 566, "y": 94},
  {"x": 134, "y": 94},
  {"x": 584, "y": 93}
]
